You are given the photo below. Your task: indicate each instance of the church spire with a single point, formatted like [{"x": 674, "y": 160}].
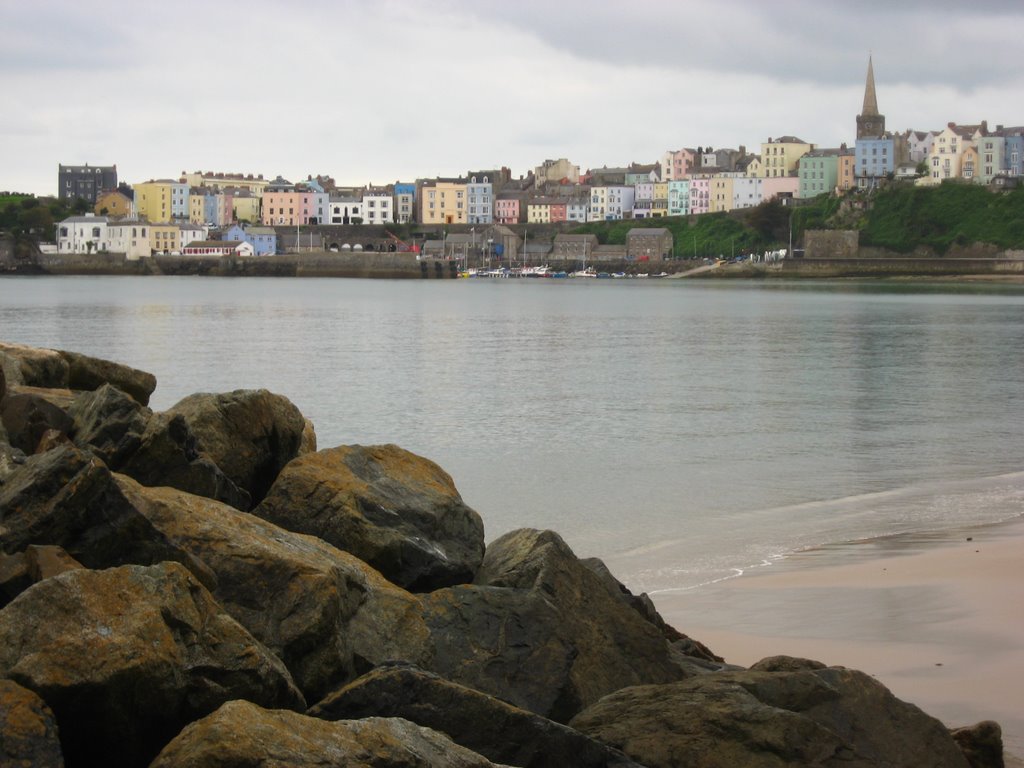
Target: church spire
[
  {"x": 870, "y": 124},
  {"x": 870, "y": 101}
]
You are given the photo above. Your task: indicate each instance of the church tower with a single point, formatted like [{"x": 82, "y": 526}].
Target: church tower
[{"x": 870, "y": 124}]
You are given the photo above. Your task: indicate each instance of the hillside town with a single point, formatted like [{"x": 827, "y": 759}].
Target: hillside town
[{"x": 216, "y": 213}]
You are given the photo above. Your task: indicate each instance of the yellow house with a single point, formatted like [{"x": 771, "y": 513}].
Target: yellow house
[
  {"x": 659, "y": 205},
  {"x": 247, "y": 207},
  {"x": 443, "y": 202},
  {"x": 161, "y": 201},
  {"x": 113, "y": 203},
  {"x": 165, "y": 238},
  {"x": 780, "y": 157},
  {"x": 721, "y": 194}
]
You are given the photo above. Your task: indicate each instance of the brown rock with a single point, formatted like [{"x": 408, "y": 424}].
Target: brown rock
[
  {"x": 168, "y": 454},
  {"x": 32, "y": 366},
  {"x": 241, "y": 735},
  {"x": 542, "y": 631},
  {"x": 482, "y": 723},
  {"x": 89, "y": 373},
  {"x": 326, "y": 614},
  {"x": 27, "y": 418},
  {"x": 249, "y": 434},
  {"x": 981, "y": 743},
  {"x": 44, "y": 561},
  {"x": 803, "y": 715},
  {"x": 397, "y": 511},
  {"x": 28, "y": 730},
  {"x": 14, "y": 576},
  {"x": 110, "y": 423},
  {"x": 128, "y": 656},
  {"x": 68, "y": 498}
]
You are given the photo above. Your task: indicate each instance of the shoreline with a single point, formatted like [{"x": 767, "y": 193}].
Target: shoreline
[{"x": 937, "y": 618}]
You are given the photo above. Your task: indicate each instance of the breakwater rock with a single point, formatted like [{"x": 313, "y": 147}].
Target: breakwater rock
[{"x": 202, "y": 586}]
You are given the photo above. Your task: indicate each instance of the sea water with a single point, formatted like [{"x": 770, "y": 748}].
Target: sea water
[{"x": 684, "y": 431}]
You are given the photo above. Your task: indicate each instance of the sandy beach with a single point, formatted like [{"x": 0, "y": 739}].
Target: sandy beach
[{"x": 938, "y": 619}]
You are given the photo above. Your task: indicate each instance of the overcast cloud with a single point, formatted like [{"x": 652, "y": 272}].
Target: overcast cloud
[{"x": 398, "y": 89}]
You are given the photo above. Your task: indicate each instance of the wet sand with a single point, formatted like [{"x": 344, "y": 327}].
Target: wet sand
[{"x": 938, "y": 619}]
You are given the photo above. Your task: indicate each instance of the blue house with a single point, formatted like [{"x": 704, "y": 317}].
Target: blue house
[
  {"x": 874, "y": 158},
  {"x": 262, "y": 239}
]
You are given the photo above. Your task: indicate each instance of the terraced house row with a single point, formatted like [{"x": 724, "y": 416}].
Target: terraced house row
[{"x": 687, "y": 181}]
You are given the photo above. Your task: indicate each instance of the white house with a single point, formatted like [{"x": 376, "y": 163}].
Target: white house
[
  {"x": 343, "y": 210},
  {"x": 129, "y": 237},
  {"x": 378, "y": 207},
  {"x": 83, "y": 234}
]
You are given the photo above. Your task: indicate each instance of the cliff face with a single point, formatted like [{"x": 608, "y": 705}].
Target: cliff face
[{"x": 147, "y": 621}]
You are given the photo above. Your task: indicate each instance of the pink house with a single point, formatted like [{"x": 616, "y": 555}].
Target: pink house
[
  {"x": 700, "y": 194},
  {"x": 781, "y": 186},
  {"x": 506, "y": 210}
]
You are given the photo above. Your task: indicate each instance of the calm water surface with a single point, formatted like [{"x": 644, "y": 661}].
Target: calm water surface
[{"x": 683, "y": 431}]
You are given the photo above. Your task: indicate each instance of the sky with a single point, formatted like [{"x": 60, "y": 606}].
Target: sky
[{"x": 376, "y": 91}]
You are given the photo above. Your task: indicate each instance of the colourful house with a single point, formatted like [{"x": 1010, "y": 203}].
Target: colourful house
[
  {"x": 115, "y": 204},
  {"x": 506, "y": 208},
  {"x": 779, "y": 157},
  {"x": 818, "y": 172},
  {"x": 679, "y": 197},
  {"x": 443, "y": 201},
  {"x": 161, "y": 201},
  {"x": 700, "y": 194}
]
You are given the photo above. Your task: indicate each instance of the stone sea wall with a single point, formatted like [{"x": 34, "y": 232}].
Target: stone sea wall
[{"x": 203, "y": 586}]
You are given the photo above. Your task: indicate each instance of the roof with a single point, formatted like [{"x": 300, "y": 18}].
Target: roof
[
  {"x": 85, "y": 219},
  {"x": 647, "y": 231},
  {"x": 215, "y": 243}
]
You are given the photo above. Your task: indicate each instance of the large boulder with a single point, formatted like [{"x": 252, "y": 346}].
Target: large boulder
[
  {"x": 397, "y": 511},
  {"x": 32, "y": 366},
  {"x": 981, "y": 743},
  {"x": 778, "y": 714},
  {"x": 68, "y": 498},
  {"x": 168, "y": 454},
  {"x": 128, "y": 656},
  {"x": 497, "y": 730},
  {"x": 250, "y": 434},
  {"x": 28, "y": 730},
  {"x": 242, "y": 735},
  {"x": 110, "y": 423},
  {"x": 643, "y": 605},
  {"x": 89, "y": 373},
  {"x": 541, "y": 630},
  {"x": 329, "y": 616},
  {"x": 28, "y": 417}
]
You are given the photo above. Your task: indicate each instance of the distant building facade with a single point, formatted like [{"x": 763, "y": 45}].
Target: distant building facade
[{"x": 85, "y": 182}]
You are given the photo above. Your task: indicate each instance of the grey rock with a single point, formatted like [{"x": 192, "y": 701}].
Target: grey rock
[
  {"x": 126, "y": 657},
  {"x": 801, "y": 715},
  {"x": 242, "y": 735},
  {"x": 399, "y": 512},
  {"x": 485, "y": 724},
  {"x": 110, "y": 423}
]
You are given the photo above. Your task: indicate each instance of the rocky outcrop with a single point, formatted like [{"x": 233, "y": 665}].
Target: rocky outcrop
[
  {"x": 67, "y": 497},
  {"x": 27, "y": 418},
  {"x": 168, "y": 454},
  {"x": 777, "y": 714},
  {"x": 33, "y": 366},
  {"x": 56, "y": 369},
  {"x": 249, "y": 434},
  {"x": 397, "y": 511},
  {"x": 540, "y": 630},
  {"x": 482, "y": 723},
  {"x": 981, "y": 744},
  {"x": 242, "y": 735},
  {"x": 89, "y": 373},
  {"x": 28, "y": 730},
  {"x": 326, "y": 614},
  {"x": 128, "y": 656},
  {"x": 109, "y": 423},
  {"x": 195, "y": 604}
]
